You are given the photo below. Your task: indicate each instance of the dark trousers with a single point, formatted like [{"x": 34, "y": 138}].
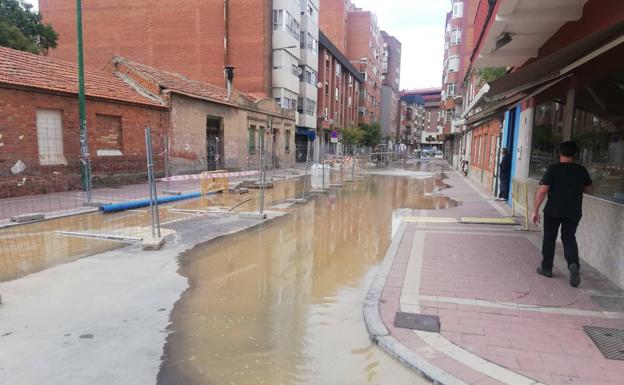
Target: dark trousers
[
  {"x": 568, "y": 238},
  {"x": 504, "y": 186}
]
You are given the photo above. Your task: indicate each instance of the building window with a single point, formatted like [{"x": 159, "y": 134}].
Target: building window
[
  {"x": 300, "y": 105},
  {"x": 338, "y": 70},
  {"x": 287, "y": 141},
  {"x": 456, "y": 37},
  {"x": 600, "y": 142},
  {"x": 252, "y": 139},
  {"x": 278, "y": 19},
  {"x": 310, "y": 107},
  {"x": 337, "y": 93},
  {"x": 458, "y": 9},
  {"x": 108, "y": 135},
  {"x": 453, "y": 64},
  {"x": 450, "y": 89},
  {"x": 50, "y": 137}
]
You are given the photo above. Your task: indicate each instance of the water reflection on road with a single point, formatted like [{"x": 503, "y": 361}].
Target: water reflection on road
[{"x": 282, "y": 304}]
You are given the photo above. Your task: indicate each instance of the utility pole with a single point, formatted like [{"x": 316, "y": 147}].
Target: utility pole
[{"x": 85, "y": 163}]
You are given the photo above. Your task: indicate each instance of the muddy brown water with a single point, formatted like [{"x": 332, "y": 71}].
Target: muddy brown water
[{"x": 282, "y": 304}]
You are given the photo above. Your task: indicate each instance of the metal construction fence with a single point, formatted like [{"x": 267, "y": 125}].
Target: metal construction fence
[{"x": 47, "y": 218}]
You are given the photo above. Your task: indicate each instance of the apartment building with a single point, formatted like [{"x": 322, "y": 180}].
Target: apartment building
[
  {"x": 355, "y": 32},
  {"x": 339, "y": 92},
  {"x": 276, "y": 55},
  {"x": 390, "y": 119},
  {"x": 423, "y": 107}
]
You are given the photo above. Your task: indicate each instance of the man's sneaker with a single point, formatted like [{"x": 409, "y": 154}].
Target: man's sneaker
[
  {"x": 545, "y": 273},
  {"x": 575, "y": 275}
]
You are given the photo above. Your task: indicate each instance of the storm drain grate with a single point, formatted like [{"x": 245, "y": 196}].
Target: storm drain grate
[
  {"x": 609, "y": 303},
  {"x": 424, "y": 322},
  {"x": 609, "y": 341}
]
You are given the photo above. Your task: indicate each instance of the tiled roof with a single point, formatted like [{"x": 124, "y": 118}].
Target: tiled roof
[
  {"x": 180, "y": 83},
  {"x": 30, "y": 70}
]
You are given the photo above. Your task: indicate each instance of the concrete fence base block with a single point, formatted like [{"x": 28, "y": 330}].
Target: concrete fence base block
[
  {"x": 153, "y": 243},
  {"x": 169, "y": 192},
  {"x": 28, "y": 217},
  {"x": 336, "y": 185},
  {"x": 297, "y": 200},
  {"x": 252, "y": 215},
  {"x": 319, "y": 191},
  {"x": 95, "y": 204}
]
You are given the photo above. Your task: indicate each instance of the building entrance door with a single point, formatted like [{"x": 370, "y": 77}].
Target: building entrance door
[{"x": 214, "y": 144}]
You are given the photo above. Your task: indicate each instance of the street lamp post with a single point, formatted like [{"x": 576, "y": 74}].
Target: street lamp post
[{"x": 85, "y": 163}]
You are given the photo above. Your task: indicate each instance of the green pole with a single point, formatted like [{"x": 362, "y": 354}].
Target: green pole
[{"x": 85, "y": 164}]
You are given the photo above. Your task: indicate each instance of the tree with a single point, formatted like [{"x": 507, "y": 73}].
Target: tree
[
  {"x": 352, "y": 136},
  {"x": 22, "y": 29},
  {"x": 372, "y": 134},
  {"x": 492, "y": 73}
]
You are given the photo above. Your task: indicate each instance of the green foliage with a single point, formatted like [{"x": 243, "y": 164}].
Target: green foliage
[
  {"x": 492, "y": 73},
  {"x": 22, "y": 29},
  {"x": 372, "y": 134},
  {"x": 352, "y": 136}
]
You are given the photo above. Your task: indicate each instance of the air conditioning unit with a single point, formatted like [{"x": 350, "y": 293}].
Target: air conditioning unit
[{"x": 331, "y": 121}]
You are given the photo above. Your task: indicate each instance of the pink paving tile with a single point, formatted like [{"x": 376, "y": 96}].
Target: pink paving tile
[
  {"x": 459, "y": 370},
  {"x": 543, "y": 377},
  {"x": 528, "y": 344},
  {"x": 538, "y": 365},
  {"x": 486, "y": 340}
]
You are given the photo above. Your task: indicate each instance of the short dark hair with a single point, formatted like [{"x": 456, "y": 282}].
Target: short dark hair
[
  {"x": 505, "y": 151},
  {"x": 568, "y": 149}
]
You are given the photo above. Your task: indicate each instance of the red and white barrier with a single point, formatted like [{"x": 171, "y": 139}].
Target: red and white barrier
[{"x": 206, "y": 175}]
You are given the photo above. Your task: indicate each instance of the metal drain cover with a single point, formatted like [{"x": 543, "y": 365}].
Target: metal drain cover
[
  {"x": 609, "y": 303},
  {"x": 424, "y": 322},
  {"x": 609, "y": 341}
]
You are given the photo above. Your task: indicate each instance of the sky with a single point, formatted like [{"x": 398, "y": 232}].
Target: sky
[{"x": 419, "y": 26}]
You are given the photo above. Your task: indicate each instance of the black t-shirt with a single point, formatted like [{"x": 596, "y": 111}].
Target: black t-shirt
[{"x": 566, "y": 182}]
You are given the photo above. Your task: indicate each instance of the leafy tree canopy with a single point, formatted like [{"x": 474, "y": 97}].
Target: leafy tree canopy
[
  {"x": 372, "y": 134},
  {"x": 21, "y": 28},
  {"x": 352, "y": 135},
  {"x": 492, "y": 73}
]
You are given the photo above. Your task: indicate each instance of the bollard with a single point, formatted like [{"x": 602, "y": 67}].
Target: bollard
[{"x": 156, "y": 242}]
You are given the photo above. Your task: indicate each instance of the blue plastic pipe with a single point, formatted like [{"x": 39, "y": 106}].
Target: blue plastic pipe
[{"x": 122, "y": 206}]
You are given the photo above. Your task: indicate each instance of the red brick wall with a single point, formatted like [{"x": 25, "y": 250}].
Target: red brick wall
[
  {"x": 333, "y": 22},
  {"x": 19, "y": 137},
  {"x": 346, "y": 116},
  {"x": 184, "y": 36},
  {"x": 359, "y": 38}
]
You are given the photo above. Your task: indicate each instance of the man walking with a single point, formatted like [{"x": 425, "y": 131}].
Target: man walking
[
  {"x": 564, "y": 183},
  {"x": 504, "y": 171}
]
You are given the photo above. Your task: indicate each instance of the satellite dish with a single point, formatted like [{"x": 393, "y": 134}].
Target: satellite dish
[
  {"x": 319, "y": 85},
  {"x": 299, "y": 71}
]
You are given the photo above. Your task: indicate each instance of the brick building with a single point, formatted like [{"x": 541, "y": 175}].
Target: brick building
[
  {"x": 39, "y": 128},
  {"x": 356, "y": 33},
  {"x": 339, "y": 92},
  {"x": 390, "y": 120},
  {"x": 423, "y": 106},
  {"x": 212, "y": 128},
  {"x": 563, "y": 81},
  {"x": 272, "y": 44}
]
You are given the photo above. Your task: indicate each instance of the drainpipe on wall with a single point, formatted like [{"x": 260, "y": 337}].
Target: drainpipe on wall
[{"x": 229, "y": 80}]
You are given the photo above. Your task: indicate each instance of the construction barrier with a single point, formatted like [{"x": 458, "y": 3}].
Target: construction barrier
[
  {"x": 212, "y": 174},
  {"x": 520, "y": 199}
]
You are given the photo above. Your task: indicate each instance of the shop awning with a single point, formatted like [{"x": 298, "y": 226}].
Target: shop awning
[
  {"x": 504, "y": 104},
  {"x": 557, "y": 64}
]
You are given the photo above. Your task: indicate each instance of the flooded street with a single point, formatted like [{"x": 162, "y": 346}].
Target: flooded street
[{"x": 282, "y": 303}]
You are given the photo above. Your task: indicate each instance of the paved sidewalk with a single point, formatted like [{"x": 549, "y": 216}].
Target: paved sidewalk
[{"x": 501, "y": 323}]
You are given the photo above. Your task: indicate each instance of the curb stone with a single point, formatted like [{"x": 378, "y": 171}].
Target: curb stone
[{"x": 380, "y": 335}]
